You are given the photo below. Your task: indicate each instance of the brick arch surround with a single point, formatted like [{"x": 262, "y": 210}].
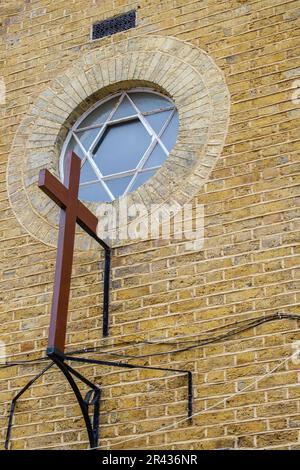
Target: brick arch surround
[{"x": 184, "y": 72}]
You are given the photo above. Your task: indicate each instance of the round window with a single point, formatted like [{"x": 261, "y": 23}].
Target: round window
[{"x": 122, "y": 141}]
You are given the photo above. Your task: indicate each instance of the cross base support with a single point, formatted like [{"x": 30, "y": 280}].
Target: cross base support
[
  {"x": 91, "y": 399},
  {"x": 93, "y": 396}
]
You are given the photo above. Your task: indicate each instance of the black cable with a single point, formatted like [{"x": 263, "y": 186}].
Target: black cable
[
  {"x": 249, "y": 324},
  {"x": 149, "y": 342}
]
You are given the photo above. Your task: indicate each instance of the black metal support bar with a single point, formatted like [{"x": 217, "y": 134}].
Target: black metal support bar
[
  {"x": 136, "y": 366},
  {"x": 83, "y": 403},
  {"x": 96, "y": 417},
  {"x": 82, "y": 378},
  {"x": 93, "y": 396},
  {"x": 14, "y": 402},
  {"x": 190, "y": 395},
  {"x": 95, "y": 401},
  {"x": 106, "y": 282},
  {"x": 98, "y": 240},
  {"x": 120, "y": 364}
]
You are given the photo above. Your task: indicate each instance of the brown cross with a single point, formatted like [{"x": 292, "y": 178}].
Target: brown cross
[{"x": 72, "y": 212}]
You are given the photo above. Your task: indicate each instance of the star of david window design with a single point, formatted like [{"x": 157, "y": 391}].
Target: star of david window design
[{"x": 122, "y": 141}]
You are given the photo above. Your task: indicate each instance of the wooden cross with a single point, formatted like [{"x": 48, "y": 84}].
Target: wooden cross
[{"x": 72, "y": 212}]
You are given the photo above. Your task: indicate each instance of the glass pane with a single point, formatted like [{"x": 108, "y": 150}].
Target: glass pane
[
  {"x": 125, "y": 109},
  {"x": 170, "y": 134},
  {"x": 87, "y": 173},
  {"x": 93, "y": 192},
  {"x": 87, "y": 137},
  {"x": 72, "y": 145},
  {"x": 156, "y": 158},
  {"x": 100, "y": 114},
  {"x": 149, "y": 101},
  {"x": 141, "y": 179},
  {"x": 157, "y": 120},
  {"x": 121, "y": 147},
  {"x": 117, "y": 186}
]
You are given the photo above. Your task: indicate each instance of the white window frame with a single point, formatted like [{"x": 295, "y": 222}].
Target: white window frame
[{"x": 155, "y": 138}]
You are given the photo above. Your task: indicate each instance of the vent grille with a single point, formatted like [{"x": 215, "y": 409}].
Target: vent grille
[{"x": 114, "y": 25}]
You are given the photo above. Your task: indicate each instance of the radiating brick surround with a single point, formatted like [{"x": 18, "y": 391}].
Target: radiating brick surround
[{"x": 184, "y": 72}]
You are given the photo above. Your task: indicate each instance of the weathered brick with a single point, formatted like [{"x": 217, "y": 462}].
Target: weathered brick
[{"x": 247, "y": 268}]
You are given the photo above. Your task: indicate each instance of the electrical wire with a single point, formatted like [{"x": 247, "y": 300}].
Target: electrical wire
[
  {"x": 129, "y": 344},
  {"x": 251, "y": 324},
  {"x": 244, "y": 326}
]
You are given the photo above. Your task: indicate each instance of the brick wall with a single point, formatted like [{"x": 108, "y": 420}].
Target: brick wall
[{"x": 249, "y": 266}]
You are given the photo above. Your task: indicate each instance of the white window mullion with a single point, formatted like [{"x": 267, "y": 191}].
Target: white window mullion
[
  {"x": 120, "y": 174},
  {"x": 156, "y": 111},
  {"x": 144, "y": 170},
  {"x": 149, "y": 128},
  {"x": 99, "y": 135},
  {"x": 148, "y": 152},
  {"x": 100, "y": 128},
  {"x": 95, "y": 168},
  {"x": 163, "y": 130},
  {"x": 132, "y": 117},
  {"x": 86, "y": 183},
  {"x": 143, "y": 120},
  {"x": 103, "y": 128},
  {"x": 99, "y": 176},
  {"x": 141, "y": 163},
  {"x": 89, "y": 128},
  {"x": 81, "y": 147}
]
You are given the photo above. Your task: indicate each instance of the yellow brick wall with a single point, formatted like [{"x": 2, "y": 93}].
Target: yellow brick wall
[{"x": 249, "y": 266}]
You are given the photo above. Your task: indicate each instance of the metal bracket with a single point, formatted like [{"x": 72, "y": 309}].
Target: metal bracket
[
  {"x": 93, "y": 396},
  {"x": 92, "y": 425},
  {"x": 91, "y": 399},
  {"x": 106, "y": 282},
  {"x": 136, "y": 366},
  {"x": 14, "y": 402}
]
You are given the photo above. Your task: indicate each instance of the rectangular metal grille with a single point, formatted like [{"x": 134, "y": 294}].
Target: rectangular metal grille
[{"x": 114, "y": 25}]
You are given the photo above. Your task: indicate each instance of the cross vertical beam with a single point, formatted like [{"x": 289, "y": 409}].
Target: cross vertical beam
[
  {"x": 72, "y": 212},
  {"x": 64, "y": 259}
]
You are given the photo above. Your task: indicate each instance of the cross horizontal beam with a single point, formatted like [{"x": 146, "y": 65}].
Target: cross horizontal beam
[{"x": 60, "y": 195}]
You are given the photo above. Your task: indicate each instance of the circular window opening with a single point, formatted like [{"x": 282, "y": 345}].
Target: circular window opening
[{"x": 122, "y": 141}]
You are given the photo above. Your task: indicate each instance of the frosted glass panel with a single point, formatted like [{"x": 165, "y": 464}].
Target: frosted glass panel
[
  {"x": 158, "y": 120},
  {"x": 100, "y": 114},
  {"x": 93, "y": 192},
  {"x": 149, "y": 101},
  {"x": 118, "y": 186},
  {"x": 73, "y": 145},
  {"x": 156, "y": 158},
  {"x": 170, "y": 134},
  {"x": 141, "y": 179},
  {"x": 87, "y": 173},
  {"x": 125, "y": 109},
  {"x": 122, "y": 147},
  {"x": 87, "y": 137}
]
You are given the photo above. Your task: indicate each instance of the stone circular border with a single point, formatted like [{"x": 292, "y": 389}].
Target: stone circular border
[{"x": 182, "y": 71}]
